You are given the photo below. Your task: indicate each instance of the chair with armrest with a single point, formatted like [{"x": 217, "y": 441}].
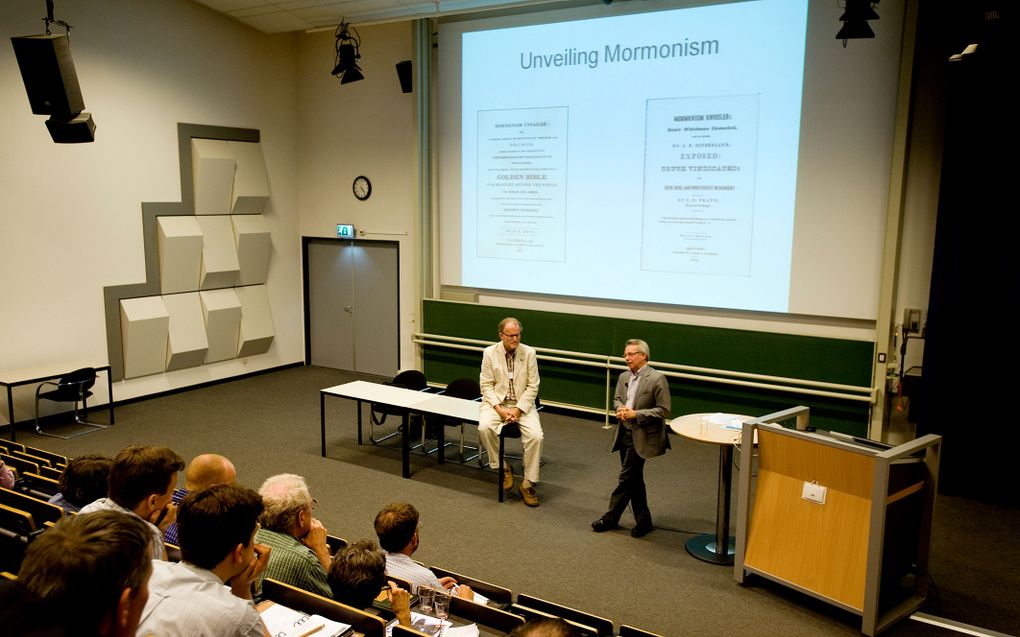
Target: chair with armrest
[
  {"x": 7, "y": 446},
  {"x": 365, "y": 623},
  {"x": 38, "y": 486},
  {"x": 42, "y": 462},
  {"x": 71, "y": 388},
  {"x": 497, "y": 594},
  {"x": 630, "y": 631},
  {"x": 40, "y": 510},
  {"x": 16, "y": 522},
  {"x": 56, "y": 460},
  {"x": 335, "y": 543},
  {"x": 488, "y": 616},
  {"x": 12, "y": 548},
  {"x": 50, "y": 472},
  {"x": 531, "y": 613},
  {"x": 400, "y": 582},
  {"x": 20, "y": 464},
  {"x": 408, "y": 379},
  {"x": 601, "y": 624}
]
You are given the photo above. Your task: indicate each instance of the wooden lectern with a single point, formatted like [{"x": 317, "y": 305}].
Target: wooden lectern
[{"x": 838, "y": 518}]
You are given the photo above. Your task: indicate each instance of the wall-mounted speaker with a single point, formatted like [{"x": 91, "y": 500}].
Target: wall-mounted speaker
[
  {"x": 48, "y": 72},
  {"x": 404, "y": 75},
  {"x": 77, "y": 130}
]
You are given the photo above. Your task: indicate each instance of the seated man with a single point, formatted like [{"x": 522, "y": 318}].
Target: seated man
[
  {"x": 357, "y": 576},
  {"x": 83, "y": 481},
  {"x": 88, "y": 575},
  {"x": 397, "y": 528},
  {"x": 300, "y": 555},
  {"x": 206, "y": 470},
  {"x": 141, "y": 483},
  {"x": 209, "y": 592}
]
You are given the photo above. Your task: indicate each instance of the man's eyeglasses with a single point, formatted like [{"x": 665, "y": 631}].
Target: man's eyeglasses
[{"x": 511, "y": 336}]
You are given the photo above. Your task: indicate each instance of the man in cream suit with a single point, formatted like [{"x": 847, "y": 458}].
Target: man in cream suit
[
  {"x": 509, "y": 383},
  {"x": 642, "y": 406}
]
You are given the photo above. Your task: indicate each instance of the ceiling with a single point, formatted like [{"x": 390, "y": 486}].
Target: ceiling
[{"x": 277, "y": 16}]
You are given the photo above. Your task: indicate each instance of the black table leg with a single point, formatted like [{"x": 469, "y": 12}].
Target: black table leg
[
  {"x": 405, "y": 445},
  {"x": 322, "y": 420}
]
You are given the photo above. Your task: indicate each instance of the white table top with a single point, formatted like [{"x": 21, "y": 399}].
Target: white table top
[
  {"x": 438, "y": 404},
  {"x": 718, "y": 428},
  {"x": 44, "y": 372},
  {"x": 459, "y": 408}
]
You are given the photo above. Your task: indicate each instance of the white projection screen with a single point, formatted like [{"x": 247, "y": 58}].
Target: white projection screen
[{"x": 730, "y": 155}]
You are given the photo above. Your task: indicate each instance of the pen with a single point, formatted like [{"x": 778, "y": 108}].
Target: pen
[{"x": 312, "y": 631}]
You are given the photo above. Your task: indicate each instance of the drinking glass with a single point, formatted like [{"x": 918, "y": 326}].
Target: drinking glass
[
  {"x": 425, "y": 597},
  {"x": 442, "y": 604}
]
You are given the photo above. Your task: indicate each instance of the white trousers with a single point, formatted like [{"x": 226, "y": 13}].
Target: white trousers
[{"x": 489, "y": 426}]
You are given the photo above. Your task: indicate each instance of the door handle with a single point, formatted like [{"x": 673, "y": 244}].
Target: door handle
[{"x": 349, "y": 309}]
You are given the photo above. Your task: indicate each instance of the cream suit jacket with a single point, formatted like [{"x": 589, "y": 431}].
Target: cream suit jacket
[{"x": 494, "y": 379}]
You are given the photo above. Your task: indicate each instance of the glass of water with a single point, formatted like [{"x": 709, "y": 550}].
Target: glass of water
[
  {"x": 442, "y": 604},
  {"x": 425, "y": 597}
]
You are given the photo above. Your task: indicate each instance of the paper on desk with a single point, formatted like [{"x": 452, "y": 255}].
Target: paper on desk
[
  {"x": 287, "y": 622},
  {"x": 425, "y": 624},
  {"x": 722, "y": 419},
  {"x": 471, "y": 630}
]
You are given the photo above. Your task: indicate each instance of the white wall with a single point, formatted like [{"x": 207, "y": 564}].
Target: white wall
[
  {"x": 362, "y": 128},
  {"x": 70, "y": 215}
]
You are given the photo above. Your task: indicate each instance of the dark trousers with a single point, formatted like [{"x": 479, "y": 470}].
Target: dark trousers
[{"x": 631, "y": 488}]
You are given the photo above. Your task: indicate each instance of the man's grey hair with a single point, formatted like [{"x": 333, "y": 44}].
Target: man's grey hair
[
  {"x": 507, "y": 321},
  {"x": 641, "y": 345},
  {"x": 284, "y": 496}
]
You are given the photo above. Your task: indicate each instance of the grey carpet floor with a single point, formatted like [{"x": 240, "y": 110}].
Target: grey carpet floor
[{"x": 269, "y": 424}]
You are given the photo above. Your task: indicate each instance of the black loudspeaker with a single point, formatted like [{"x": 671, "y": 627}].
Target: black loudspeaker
[
  {"x": 48, "y": 72},
  {"x": 77, "y": 130},
  {"x": 404, "y": 75}
]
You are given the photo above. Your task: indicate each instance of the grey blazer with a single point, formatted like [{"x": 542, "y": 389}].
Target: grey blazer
[{"x": 652, "y": 405}]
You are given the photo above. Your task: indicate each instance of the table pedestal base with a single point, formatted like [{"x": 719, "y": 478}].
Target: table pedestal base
[{"x": 704, "y": 548}]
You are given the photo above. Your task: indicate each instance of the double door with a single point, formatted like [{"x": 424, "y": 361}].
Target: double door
[{"x": 352, "y": 305}]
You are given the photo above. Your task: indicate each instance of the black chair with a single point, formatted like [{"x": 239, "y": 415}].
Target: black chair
[
  {"x": 12, "y": 543},
  {"x": 50, "y": 472},
  {"x": 335, "y": 543},
  {"x": 512, "y": 430},
  {"x": 601, "y": 624},
  {"x": 15, "y": 522},
  {"x": 42, "y": 462},
  {"x": 488, "y": 616},
  {"x": 408, "y": 379},
  {"x": 365, "y": 623},
  {"x": 40, "y": 510},
  {"x": 498, "y": 595},
  {"x": 56, "y": 460},
  {"x": 530, "y": 613},
  {"x": 73, "y": 387},
  {"x": 468, "y": 389},
  {"x": 37, "y": 486},
  {"x": 20, "y": 464}
]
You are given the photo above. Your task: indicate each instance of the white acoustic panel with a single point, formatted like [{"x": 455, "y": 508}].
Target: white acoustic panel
[
  {"x": 187, "y": 343},
  {"x": 213, "y": 167},
  {"x": 180, "y": 254},
  {"x": 251, "y": 186},
  {"x": 220, "y": 267},
  {"x": 256, "y": 333},
  {"x": 144, "y": 327},
  {"x": 254, "y": 244},
  {"x": 222, "y": 313}
]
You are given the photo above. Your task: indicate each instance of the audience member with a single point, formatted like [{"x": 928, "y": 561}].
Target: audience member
[
  {"x": 300, "y": 554},
  {"x": 83, "y": 481},
  {"x": 397, "y": 528},
  {"x": 86, "y": 576},
  {"x": 141, "y": 483},
  {"x": 358, "y": 575},
  {"x": 206, "y": 470},
  {"x": 191, "y": 598},
  {"x": 546, "y": 627},
  {"x": 6, "y": 476}
]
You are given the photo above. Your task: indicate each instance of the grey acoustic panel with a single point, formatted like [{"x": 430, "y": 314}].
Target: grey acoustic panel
[
  {"x": 187, "y": 343},
  {"x": 213, "y": 166},
  {"x": 145, "y": 325},
  {"x": 222, "y": 312},
  {"x": 251, "y": 186},
  {"x": 180, "y": 254},
  {"x": 254, "y": 245},
  {"x": 256, "y": 333},
  {"x": 220, "y": 267}
]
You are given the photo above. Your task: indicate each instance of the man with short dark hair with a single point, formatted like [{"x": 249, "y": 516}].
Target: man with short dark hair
[
  {"x": 209, "y": 592},
  {"x": 206, "y": 470},
  {"x": 300, "y": 554},
  {"x": 358, "y": 574},
  {"x": 546, "y": 627},
  {"x": 397, "y": 528},
  {"x": 141, "y": 483},
  {"x": 88, "y": 575},
  {"x": 83, "y": 481}
]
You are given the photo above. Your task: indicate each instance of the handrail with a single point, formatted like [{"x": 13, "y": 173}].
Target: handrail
[{"x": 856, "y": 393}]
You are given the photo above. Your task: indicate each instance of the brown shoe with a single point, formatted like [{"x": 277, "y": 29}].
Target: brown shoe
[
  {"x": 529, "y": 496},
  {"x": 508, "y": 478}
]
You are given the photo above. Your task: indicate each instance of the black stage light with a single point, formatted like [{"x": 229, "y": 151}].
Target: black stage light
[
  {"x": 855, "y": 18},
  {"x": 345, "y": 64}
]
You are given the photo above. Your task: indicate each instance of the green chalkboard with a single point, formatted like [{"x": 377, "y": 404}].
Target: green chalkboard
[{"x": 810, "y": 358}]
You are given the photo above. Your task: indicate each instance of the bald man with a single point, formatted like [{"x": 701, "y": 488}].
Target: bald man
[{"x": 206, "y": 470}]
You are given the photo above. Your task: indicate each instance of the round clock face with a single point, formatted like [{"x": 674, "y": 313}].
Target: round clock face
[{"x": 362, "y": 187}]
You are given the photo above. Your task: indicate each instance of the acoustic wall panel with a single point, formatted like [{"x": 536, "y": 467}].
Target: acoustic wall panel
[
  {"x": 180, "y": 254},
  {"x": 213, "y": 167},
  {"x": 256, "y": 334},
  {"x": 222, "y": 313},
  {"x": 220, "y": 267},
  {"x": 187, "y": 343},
  {"x": 254, "y": 244},
  {"x": 144, "y": 327},
  {"x": 251, "y": 186}
]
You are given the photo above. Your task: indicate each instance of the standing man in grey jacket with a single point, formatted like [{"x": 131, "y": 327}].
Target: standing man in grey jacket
[{"x": 642, "y": 406}]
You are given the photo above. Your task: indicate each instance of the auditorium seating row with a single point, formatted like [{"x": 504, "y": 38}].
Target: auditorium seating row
[{"x": 25, "y": 512}]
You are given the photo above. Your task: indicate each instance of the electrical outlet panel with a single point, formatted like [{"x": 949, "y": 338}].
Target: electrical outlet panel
[{"x": 813, "y": 492}]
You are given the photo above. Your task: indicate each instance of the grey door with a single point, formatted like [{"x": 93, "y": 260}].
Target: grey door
[{"x": 353, "y": 309}]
